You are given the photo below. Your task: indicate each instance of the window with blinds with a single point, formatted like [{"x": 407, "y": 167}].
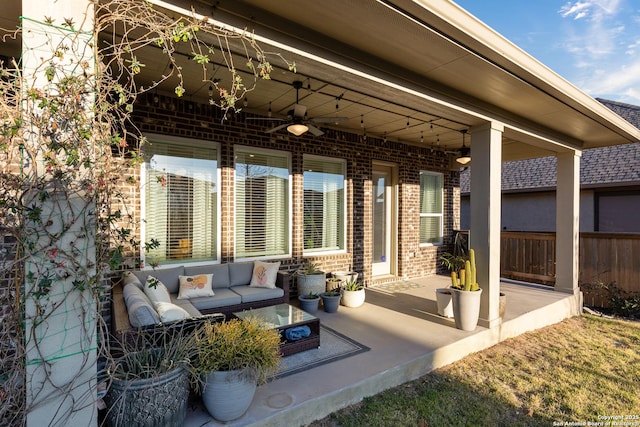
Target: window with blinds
[
  {"x": 431, "y": 208},
  {"x": 180, "y": 202},
  {"x": 324, "y": 204},
  {"x": 262, "y": 203}
]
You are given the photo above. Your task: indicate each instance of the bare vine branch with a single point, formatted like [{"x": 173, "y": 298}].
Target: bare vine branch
[{"x": 66, "y": 142}]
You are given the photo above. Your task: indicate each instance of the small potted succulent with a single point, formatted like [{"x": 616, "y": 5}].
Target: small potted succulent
[
  {"x": 309, "y": 302},
  {"x": 352, "y": 293},
  {"x": 331, "y": 300}
]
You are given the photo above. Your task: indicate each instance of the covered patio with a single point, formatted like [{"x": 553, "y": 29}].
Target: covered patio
[
  {"x": 412, "y": 79},
  {"x": 407, "y": 339}
]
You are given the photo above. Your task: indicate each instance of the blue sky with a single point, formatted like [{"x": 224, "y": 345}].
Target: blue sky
[{"x": 594, "y": 44}]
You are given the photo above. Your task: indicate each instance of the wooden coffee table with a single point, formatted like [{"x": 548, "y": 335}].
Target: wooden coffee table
[{"x": 283, "y": 317}]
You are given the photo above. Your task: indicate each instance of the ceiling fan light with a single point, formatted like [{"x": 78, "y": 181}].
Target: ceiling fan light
[
  {"x": 297, "y": 128},
  {"x": 465, "y": 156}
]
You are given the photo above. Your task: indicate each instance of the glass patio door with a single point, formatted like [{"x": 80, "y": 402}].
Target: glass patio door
[{"x": 383, "y": 221}]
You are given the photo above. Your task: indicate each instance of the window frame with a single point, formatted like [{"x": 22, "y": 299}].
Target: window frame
[
  {"x": 431, "y": 215},
  {"x": 343, "y": 162},
  {"x": 191, "y": 142},
  {"x": 249, "y": 149}
]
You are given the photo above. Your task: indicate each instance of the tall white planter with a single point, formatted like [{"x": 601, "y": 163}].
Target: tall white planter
[
  {"x": 466, "y": 308},
  {"x": 227, "y": 395}
]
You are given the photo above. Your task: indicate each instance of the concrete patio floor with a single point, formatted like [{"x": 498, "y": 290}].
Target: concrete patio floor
[{"x": 407, "y": 338}]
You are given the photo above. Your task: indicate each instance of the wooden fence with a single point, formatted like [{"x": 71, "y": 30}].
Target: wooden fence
[{"x": 604, "y": 258}]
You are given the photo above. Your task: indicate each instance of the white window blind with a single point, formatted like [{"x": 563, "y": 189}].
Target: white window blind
[
  {"x": 261, "y": 204},
  {"x": 431, "y": 207},
  {"x": 181, "y": 198},
  {"x": 324, "y": 204}
]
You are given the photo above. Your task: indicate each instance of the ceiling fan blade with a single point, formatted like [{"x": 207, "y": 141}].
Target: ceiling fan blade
[
  {"x": 329, "y": 120},
  {"x": 299, "y": 110},
  {"x": 277, "y": 128},
  {"x": 314, "y": 130}
]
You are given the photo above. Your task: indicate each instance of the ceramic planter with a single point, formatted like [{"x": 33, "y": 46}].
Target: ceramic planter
[
  {"x": 466, "y": 308},
  {"x": 353, "y": 298},
  {"x": 443, "y": 301},
  {"x": 157, "y": 401},
  {"x": 345, "y": 276},
  {"x": 227, "y": 395},
  {"x": 311, "y": 283},
  {"x": 310, "y": 305},
  {"x": 330, "y": 302}
]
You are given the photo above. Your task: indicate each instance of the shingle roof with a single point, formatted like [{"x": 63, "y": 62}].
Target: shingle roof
[{"x": 606, "y": 165}]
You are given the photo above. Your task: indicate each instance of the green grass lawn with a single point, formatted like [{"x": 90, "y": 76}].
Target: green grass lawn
[{"x": 578, "y": 371}]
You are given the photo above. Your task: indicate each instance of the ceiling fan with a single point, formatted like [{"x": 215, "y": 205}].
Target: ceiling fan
[{"x": 297, "y": 121}]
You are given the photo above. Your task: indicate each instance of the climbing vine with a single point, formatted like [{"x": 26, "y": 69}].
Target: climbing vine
[{"x": 66, "y": 141}]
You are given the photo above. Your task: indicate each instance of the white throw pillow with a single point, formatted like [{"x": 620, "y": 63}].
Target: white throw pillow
[
  {"x": 195, "y": 286},
  {"x": 156, "y": 291},
  {"x": 169, "y": 312},
  {"x": 264, "y": 274}
]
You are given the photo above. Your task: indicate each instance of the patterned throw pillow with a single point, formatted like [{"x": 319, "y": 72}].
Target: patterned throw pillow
[
  {"x": 195, "y": 286},
  {"x": 264, "y": 274}
]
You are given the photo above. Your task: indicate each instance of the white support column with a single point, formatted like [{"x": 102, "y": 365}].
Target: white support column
[
  {"x": 59, "y": 327},
  {"x": 486, "y": 194},
  {"x": 567, "y": 222}
]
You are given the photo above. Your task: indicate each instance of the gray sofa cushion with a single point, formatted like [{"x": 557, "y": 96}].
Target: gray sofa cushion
[
  {"x": 220, "y": 273},
  {"x": 240, "y": 273},
  {"x": 222, "y": 298},
  {"x": 252, "y": 293},
  {"x": 139, "y": 308},
  {"x": 168, "y": 276},
  {"x": 130, "y": 277}
]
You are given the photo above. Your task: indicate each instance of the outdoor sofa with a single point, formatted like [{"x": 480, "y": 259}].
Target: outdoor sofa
[{"x": 192, "y": 294}]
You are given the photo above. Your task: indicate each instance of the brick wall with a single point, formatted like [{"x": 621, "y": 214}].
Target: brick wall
[{"x": 182, "y": 118}]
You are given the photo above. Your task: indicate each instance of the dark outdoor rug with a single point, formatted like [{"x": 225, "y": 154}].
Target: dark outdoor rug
[{"x": 333, "y": 346}]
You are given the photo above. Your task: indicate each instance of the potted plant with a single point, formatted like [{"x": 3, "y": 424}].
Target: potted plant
[
  {"x": 150, "y": 382},
  {"x": 331, "y": 300},
  {"x": 352, "y": 293},
  {"x": 466, "y": 295},
  {"x": 233, "y": 357},
  {"x": 333, "y": 283},
  {"x": 453, "y": 263},
  {"x": 310, "y": 279},
  {"x": 309, "y": 302},
  {"x": 345, "y": 275}
]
